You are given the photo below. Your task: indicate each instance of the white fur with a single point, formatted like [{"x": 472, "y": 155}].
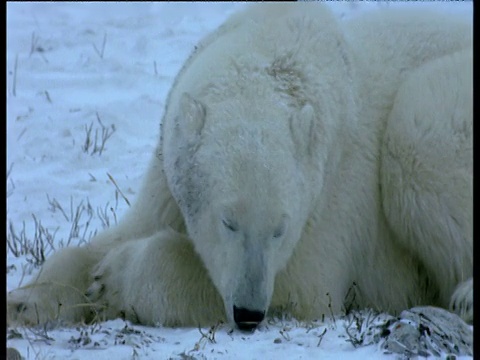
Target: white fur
[{"x": 298, "y": 156}]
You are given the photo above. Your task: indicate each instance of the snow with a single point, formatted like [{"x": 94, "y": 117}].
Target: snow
[{"x": 109, "y": 66}]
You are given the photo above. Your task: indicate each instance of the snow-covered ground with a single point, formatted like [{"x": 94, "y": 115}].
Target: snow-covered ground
[{"x": 86, "y": 86}]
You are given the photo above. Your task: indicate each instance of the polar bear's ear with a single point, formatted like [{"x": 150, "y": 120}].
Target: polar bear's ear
[
  {"x": 192, "y": 115},
  {"x": 301, "y": 126}
]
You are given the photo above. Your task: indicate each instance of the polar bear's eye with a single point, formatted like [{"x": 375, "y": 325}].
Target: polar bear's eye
[
  {"x": 230, "y": 225},
  {"x": 278, "y": 232}
]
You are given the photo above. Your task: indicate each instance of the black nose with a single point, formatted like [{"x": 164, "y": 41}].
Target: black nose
[{"x": 247, "y": 319}]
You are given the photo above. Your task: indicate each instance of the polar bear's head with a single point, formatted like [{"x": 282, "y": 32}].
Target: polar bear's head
[{"x": 239, "y": 177}]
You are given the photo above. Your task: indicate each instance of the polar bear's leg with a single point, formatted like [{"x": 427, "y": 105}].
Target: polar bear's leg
[
  {"x": 427, "y": 176},
  {"x": 153, "y": 210},
  {"x": 156, "y": 280},
  {"x": 57, "y": 293}
]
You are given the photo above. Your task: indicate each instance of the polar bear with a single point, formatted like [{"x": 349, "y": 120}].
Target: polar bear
[{"x": 299, "y": 158}]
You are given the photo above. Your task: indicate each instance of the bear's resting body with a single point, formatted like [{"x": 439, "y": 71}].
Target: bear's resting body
[{"x": 301, "y": 158}]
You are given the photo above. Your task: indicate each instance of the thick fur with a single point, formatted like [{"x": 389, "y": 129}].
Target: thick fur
[{"x": 300, "y": 160}]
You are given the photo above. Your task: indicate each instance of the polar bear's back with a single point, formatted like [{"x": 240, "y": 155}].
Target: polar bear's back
[
  {"x": 390, "y": 42},
  {"x": 410, "y": 29},
  {"x": 401, "y": 38}
]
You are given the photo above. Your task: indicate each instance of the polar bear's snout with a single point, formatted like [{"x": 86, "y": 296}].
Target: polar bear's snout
[{"x": 247, "y": 319}]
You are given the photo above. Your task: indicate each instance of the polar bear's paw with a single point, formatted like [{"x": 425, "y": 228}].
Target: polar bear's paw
[
  {"x": 25, "y": 308},
  {"x": 106, "y": 289},
  {"x": 97, "y": 294},
  {"x": 19, "y": 311},
  {"x": 462, "y": 301}
]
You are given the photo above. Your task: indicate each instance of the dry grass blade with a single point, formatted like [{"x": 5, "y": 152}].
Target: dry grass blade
[
  {"x": 118, "y": 189},
  {"x": 101, "y": 52},
  {"x": 14, "y": 85}
]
